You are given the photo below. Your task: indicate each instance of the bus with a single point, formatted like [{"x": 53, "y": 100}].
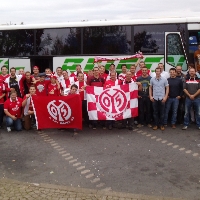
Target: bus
[{"x": 171, "y": 41}]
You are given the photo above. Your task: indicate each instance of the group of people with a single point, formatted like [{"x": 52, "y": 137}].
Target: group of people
[{"x": 160, "y": 94}]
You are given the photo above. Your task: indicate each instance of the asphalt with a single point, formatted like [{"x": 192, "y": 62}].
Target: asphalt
[{"x": 154, "y": 164}]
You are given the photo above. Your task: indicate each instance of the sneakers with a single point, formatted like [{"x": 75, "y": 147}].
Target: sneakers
[
  {"x": 136, "y": 122},
  {"x": 140, "y": 125},
  {"x": 155, "y": 127},
  {"x": 173, "y": 126},
  {"x": 149, "y": 125},
  {"x": 184, "y": 128},
  {"x": 8, "y": 129},
  {"x": 162, "y": 128}
]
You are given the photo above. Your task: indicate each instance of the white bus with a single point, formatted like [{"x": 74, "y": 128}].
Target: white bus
[{"x": 171, "y": 41}]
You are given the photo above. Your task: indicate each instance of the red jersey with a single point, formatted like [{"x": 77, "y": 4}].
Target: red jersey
[
  {"x": 53, "y": 90},
  {"x": 65, "y": 83},
  {"x": 134, "y": 77},
  {"x": 41, "y": 87},
  {"x": 139, "y": 73},
  {"x": 104, "y": 76},
  {"x": 2, "y": 91},
  {"x": 110, "y": 83},
  {"x": 122, "y": 77},
  {"x": 14, "y": 107},
  {"x": 98, "y": 82},
  {"x": 80, "y": 85},
  {"x": 74, "y": 74},
  {"x": 3, "y": 78}
]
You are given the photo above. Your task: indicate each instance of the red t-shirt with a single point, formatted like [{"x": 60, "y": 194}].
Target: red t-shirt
[
  {"x": 53, "y": 90},
  {"x": 111, "y": 83},
  {"x": 14, "y": 107},
  {"x": 41, "y": 88},
  {"x": 3, "y": 78},
  {"x": 104, "y": 76},
  {"x": 122, "y": 77},
  {"x": 98, "y": 82},
  {"x": 139, "y": 73},
  {"x": 2, "y": 91}
]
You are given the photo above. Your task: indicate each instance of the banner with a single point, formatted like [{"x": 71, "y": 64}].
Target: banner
[
  {"x": 115, "y": 103},
  {"x": 100, "y": 59},
  {"x": 58, "y": 112}
]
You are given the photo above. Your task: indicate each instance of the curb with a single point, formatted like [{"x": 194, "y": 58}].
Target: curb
[{"x": 99, "y": 193}]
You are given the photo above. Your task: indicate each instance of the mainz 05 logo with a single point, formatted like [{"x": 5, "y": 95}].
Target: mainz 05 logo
[
  {"x": 60, "y": 112},
  {"x": 113, "y": 102}
]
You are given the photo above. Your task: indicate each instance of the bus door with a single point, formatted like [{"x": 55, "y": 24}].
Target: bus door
[{"x": 175, "y": 53}]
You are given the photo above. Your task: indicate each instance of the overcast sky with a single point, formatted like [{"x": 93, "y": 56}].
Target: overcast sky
[{"x": 47, "y": 11}]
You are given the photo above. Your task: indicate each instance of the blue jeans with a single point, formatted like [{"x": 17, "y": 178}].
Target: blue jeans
[
  {"x": 158, "y": 112},
  {"x": 188, "y": 104},
  {"x": 16, "y": 123},
  {"x": 174, "y": 102}
]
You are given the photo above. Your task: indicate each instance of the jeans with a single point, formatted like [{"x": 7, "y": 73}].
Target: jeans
[
  {"x": 1, "y": 114},
  {"x": 16, "y": 123},
  {"x": 158, "y": 112},
  {"x": 174, "y": 102},
  {"x": 188, "y": 104},
  {"x": 144, "y": 106}
]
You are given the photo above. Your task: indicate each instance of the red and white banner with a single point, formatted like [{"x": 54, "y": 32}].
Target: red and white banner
[
  {"x": 58, "y": 112},
  {"x": 115, "y": 103},
  {"x": 100, "y": 59}
]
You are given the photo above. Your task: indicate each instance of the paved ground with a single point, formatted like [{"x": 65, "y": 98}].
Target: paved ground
[{"x": 142, "y": 161}]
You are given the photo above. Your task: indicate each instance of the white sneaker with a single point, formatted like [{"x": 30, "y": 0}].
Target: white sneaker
[{"x": 8, "y": 129}]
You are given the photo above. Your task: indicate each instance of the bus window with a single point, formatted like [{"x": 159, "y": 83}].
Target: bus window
[{"x": 175, "y": 54}]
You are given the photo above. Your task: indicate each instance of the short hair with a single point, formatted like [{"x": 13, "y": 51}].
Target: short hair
[
  {"x": 47, "y": 69},
  {"x": 27, "y": 72},
  {"x": 157, "y": 69},
  {"x": 133, "y": 65},
  {"x": 80, "y": 73},
  {"x": 12, "y": 68},
  {"x": 12, "y": 92},
  {"x": 113, "y": 73},
  {"x": 123, "y": 65},
  {"x": 78, "y": 65},
  {"x": 142, "y": 61},
  {"x": 172, "y": 69},
  {"x": 112, "y": 64},
  {"x": 192, "y": 68},
  {"x": 191, "y": 65},
  {"x": 145, "y": 67},
  {"x": 74, "y": 86},
  {"x": 59, "y": 68},
  {"x": 32, "y": 86},
  {"x": 95, "y": 67},
  {"x": 3, "y": 67}
]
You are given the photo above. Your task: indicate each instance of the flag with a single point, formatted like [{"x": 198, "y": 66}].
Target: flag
[
  {"x": 58, "y": 112},
  {"x": 115, "y": 103}
]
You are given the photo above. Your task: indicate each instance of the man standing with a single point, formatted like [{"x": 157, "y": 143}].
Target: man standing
[
  {"x": 144, "y": 103},
  {"x": 197, "y": 59},
  {"x": 15, "y": 82},
  {"x": 191, "y": 87},
  {"x": 163, "y": 73},
  {"x": 98, "y": 81},
  {"x": 129, "y": 121},
  {"x": 113, "y": 80},
  {"x": 139, "y": 72},
  {"x": 13, "y": 111},
  {"x": 158, "y": 92},
  {"x": 28, "y": 108},
  {"x": 78, "y": 70},
  {"x": 4, "y": 74},
  {"x": 27, "y": 82},
  {"x": 122, "y": 75},
  {"x": 175, "y": 93},
  {"x": 133, "y": 74},
  {"x": 59, "y": 74}
]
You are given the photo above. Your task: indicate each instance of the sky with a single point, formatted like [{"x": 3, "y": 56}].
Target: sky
[{"x": 52, "y": 11}]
